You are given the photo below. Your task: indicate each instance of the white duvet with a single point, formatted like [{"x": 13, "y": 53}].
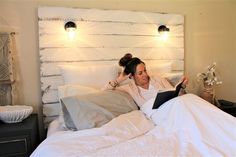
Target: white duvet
[{"x": 183, "y": 126}]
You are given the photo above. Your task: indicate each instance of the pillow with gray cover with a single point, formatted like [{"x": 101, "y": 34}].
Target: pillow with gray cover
[{"x": 95, "y": 109}]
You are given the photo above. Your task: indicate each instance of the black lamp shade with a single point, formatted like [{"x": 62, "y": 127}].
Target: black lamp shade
[
  {"x": 70, "y": 24},
  {"x": 163, "y": 28}
]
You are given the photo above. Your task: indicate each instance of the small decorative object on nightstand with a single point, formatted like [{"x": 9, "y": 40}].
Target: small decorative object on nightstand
[
  {"x": 209, "y": 80},
  {"x": 208, "y": 93},
  {"x": 19, "y": 139},
  {"x": 14, "y": 113}
]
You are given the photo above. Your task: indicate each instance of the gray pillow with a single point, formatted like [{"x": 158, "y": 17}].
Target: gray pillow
[{"x": 96, "y": 109}]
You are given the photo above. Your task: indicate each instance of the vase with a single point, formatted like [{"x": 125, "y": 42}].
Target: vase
[{"x": 208, "y": 93}]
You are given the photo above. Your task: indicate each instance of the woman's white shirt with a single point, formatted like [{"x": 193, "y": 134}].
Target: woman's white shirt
[{"x": 149, "y": 93}]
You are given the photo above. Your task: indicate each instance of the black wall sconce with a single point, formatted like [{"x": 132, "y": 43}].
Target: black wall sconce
[
  {"x": 70, "y": 25},
  {"x": 163, "y": 28},
  {"x": 70, "y": 28}
]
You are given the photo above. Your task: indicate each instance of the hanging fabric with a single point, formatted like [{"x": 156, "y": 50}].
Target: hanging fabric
[{"x": 7, "y": 69}]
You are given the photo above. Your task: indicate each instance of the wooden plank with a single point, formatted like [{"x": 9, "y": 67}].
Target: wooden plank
[
  {"x": 52, "y": 109},
  {"x": 177, "y": 65},
  {"x": 51, "y": 68},
  {"x": 109, "y": 41},
  {"x": 95, "y": 28},
  {"x": 62, "y": 13},
  {"x": 51, "y": 96},
  {"x": 78, "y": 54},
  {"x": 51, "y": 82}
]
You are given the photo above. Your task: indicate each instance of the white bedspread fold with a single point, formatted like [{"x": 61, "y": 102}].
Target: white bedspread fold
[{"x": 84, "y": 142}]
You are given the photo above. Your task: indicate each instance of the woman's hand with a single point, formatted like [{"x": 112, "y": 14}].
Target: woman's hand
[
  {"x": 185, "y": 81},
  {"x": 122, "y": 77}
]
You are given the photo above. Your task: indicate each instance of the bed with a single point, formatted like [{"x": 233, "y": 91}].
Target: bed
[
  {"x": 83, "y": 120},
  {"x": 184, "y": 126}
]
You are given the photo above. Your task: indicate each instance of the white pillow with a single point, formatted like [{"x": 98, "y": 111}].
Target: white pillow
[
  {"x": 92, "y": 76},
  {"x": 72, "y": 90},
  {"x": 159, "y": 68},
  {"x": 173, "y": 78}
]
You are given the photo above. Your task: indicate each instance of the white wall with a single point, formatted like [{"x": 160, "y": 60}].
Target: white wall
[{"x": 210, "y": 35}]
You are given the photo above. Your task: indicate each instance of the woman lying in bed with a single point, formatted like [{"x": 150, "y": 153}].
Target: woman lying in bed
[
  {"x": 142, "y": 87},
  {"x": 201, "y": 121}
]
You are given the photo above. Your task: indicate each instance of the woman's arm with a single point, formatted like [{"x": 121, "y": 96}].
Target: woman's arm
[
  {"x": 163, "y": 83},
  {"x": 160, "y": 82},
  {"x": 184, "y": 85},
  {"x": 113, "y": 84}
]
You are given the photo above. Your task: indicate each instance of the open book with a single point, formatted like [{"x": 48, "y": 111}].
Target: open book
[{"x": 164, "y": 96}]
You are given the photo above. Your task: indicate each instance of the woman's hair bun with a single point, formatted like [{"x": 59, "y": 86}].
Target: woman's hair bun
[{"x": 125, "y": 59}]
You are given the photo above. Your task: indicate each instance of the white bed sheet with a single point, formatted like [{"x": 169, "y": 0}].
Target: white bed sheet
[
  {"x": 184, "y": 126},
  {"x": 55, "y": 126}
]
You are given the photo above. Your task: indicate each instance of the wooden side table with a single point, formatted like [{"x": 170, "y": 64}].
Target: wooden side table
[
  {"x": 19, "y": 139},
  {"x": 228, "y": 107}
]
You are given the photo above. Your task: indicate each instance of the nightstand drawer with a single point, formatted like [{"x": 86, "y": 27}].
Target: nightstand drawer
[
  {"x": 19, "y": 139},
  {"x": 14, "y": 146}
]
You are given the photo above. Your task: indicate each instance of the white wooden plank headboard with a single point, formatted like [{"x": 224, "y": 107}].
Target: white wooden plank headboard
[{"x": 103, "y": 37}]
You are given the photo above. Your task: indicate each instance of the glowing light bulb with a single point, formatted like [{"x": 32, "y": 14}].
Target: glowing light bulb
[
  {"x": 70, "y": 27},
  {"x": 71, "y": 33},
  {"x": 164, "y": 32},
  {"x": 164, "y": 36}
]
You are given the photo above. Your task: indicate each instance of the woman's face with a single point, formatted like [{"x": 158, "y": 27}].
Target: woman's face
[{"x": 141, "y": 76}]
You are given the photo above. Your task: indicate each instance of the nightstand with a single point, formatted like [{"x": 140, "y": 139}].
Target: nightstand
[
  {"x": 19, "y": 139},
  {"x": 228, "y": 107}
]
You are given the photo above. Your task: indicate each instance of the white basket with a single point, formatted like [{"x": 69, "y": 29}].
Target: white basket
[{"x": 14, "y": 114}]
